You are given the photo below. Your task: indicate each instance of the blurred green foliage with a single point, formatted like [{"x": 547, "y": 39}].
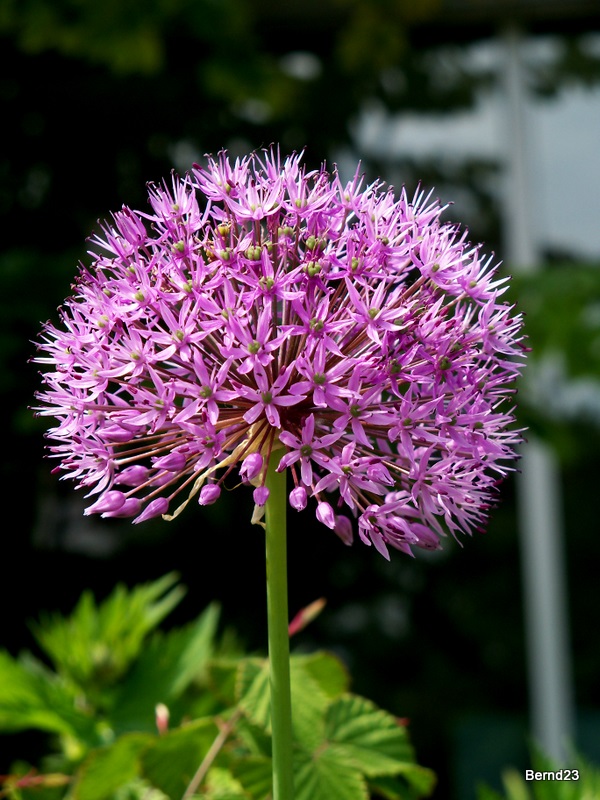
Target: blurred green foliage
[
  {"x": 140, "y": 713},
  {"x": 559, "y": 395}
]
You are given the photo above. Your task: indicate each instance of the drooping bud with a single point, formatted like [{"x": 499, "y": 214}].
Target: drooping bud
[
  {"x": 116, "y": 433},
  {"x": 112, "y": 500},
  {"x": 261, "y": 495},
  {"x": 251, "y": 467},
  {"x": 343, "y": 528},
  {"x": 326, "y": 515},
  {"x": 133, "y": 475},
  {"x": 155, "y": 508},
  {"x": 298, "y": 498},
  {"x": 209, "y": 494},
  {"x": 130, "y": 508},
  {"x": 427, "y": 540},
  {"x": 173, "y": 462}
]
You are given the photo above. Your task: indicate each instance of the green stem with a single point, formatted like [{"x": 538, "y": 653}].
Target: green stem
[{"x": 279, "y": 641}]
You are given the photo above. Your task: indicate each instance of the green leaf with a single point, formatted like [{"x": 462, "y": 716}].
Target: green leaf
[
  {"x": 370, "y": 736},
  {"x": 374, "y": 742},
  {"x": 220, "y": 784},
  {"x": 107, "y": 769},
  {"x": 254, "y": 774},
  {"x": 326, "y": 670},
  {"x": 515, "y": 786},
  {"x": 33, "y": 697},
  {"x": 196, "y": 649},
  {"x": 255, "y": 739},
  {"x": 164, "y": 670},
  {"x": 96, "y": 644},
  {"x": 309, "y": 704},
  {"x": 327, "y": 774},
  {"x": 397, "y": 788},
  {"x": 222, "y": 676},
  {"x": 172, "y": 760},
  {"x": 485, "y": 793},
  {"x": 253, "y": 691},
  {"x": 309, "y": 701}
]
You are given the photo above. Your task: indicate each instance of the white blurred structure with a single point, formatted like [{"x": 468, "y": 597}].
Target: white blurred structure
[{"x": 539, "y": 490}]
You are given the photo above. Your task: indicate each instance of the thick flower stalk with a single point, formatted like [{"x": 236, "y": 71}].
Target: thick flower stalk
[{"x": 261, "y": 311}]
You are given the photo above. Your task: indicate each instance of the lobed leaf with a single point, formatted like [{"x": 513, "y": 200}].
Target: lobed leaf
[
  {"x": 97, "y": 643},
  {"x": 171, "y": 761},
  {"x": 33, "y": 697},
  {"x": 254, "y": 774},
  {"x": 107, "y": 769},
  {"x": 375, "y": 743},
  {"x": 327, "y": 774},
  {"x": 164, "y": 670}
]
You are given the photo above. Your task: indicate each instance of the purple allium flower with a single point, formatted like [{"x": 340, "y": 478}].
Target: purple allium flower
[{"x": 261, "y": 311}]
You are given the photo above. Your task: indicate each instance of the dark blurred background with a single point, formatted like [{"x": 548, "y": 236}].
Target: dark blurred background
[{"x": 99, "y": 98}]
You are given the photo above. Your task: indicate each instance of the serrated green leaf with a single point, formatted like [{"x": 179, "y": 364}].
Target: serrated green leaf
[
  {"x": 256, "y": 740},
  {"x": 167, "y": 666},
  {"x": 198, "y": 648},
  {"x": 221, "y": 677},
  {"x": 398, "y": 788},
  {"x": 326, "y": 670},
  {"x": 370, "y": 736},
  {"x": 309, "y": 705},
  {"x": 255, "y": 775},
  {"x": 33, "y": 697},
  {"x": 109, "y": 768},
  {"x": 95, "y": 645},
  {"x": 171, "y": 761},
  {"x": 327, "y": 775},
  {"x": 253, "y": 691},
  {"x": 220, "y": 784},
  {"x": 309, "y": 702}
]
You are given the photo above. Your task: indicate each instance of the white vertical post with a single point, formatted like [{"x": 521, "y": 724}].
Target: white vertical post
[{"x": 538, "y": 485}]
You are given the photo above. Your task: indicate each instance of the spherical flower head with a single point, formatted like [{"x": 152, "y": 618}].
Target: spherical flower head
[{"x": 262, "y": 311}]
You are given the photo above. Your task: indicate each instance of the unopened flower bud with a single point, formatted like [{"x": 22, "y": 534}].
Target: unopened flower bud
[
  {"x": 343, "y": 528},
  {"x": 326, "y": 515},
  {"x": 161, "y": 715},
  {"x": 130, "y": 508},
  {"x": 209, "y": 494},
  {"x": 174, "y": 462},
  {"x": 298, "y": 498},
  {"x": 427, "y": 538},
  {"x": 261, "y": 495},
  {"x": 306, "y": 615},
  {"x": 251, "y": 467},
  {"x": 155, "y": 508},
  {"x": 112, "y": 500},
  {"x": 116, "y": 433},
  {"x": 134, "y": 475}
]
